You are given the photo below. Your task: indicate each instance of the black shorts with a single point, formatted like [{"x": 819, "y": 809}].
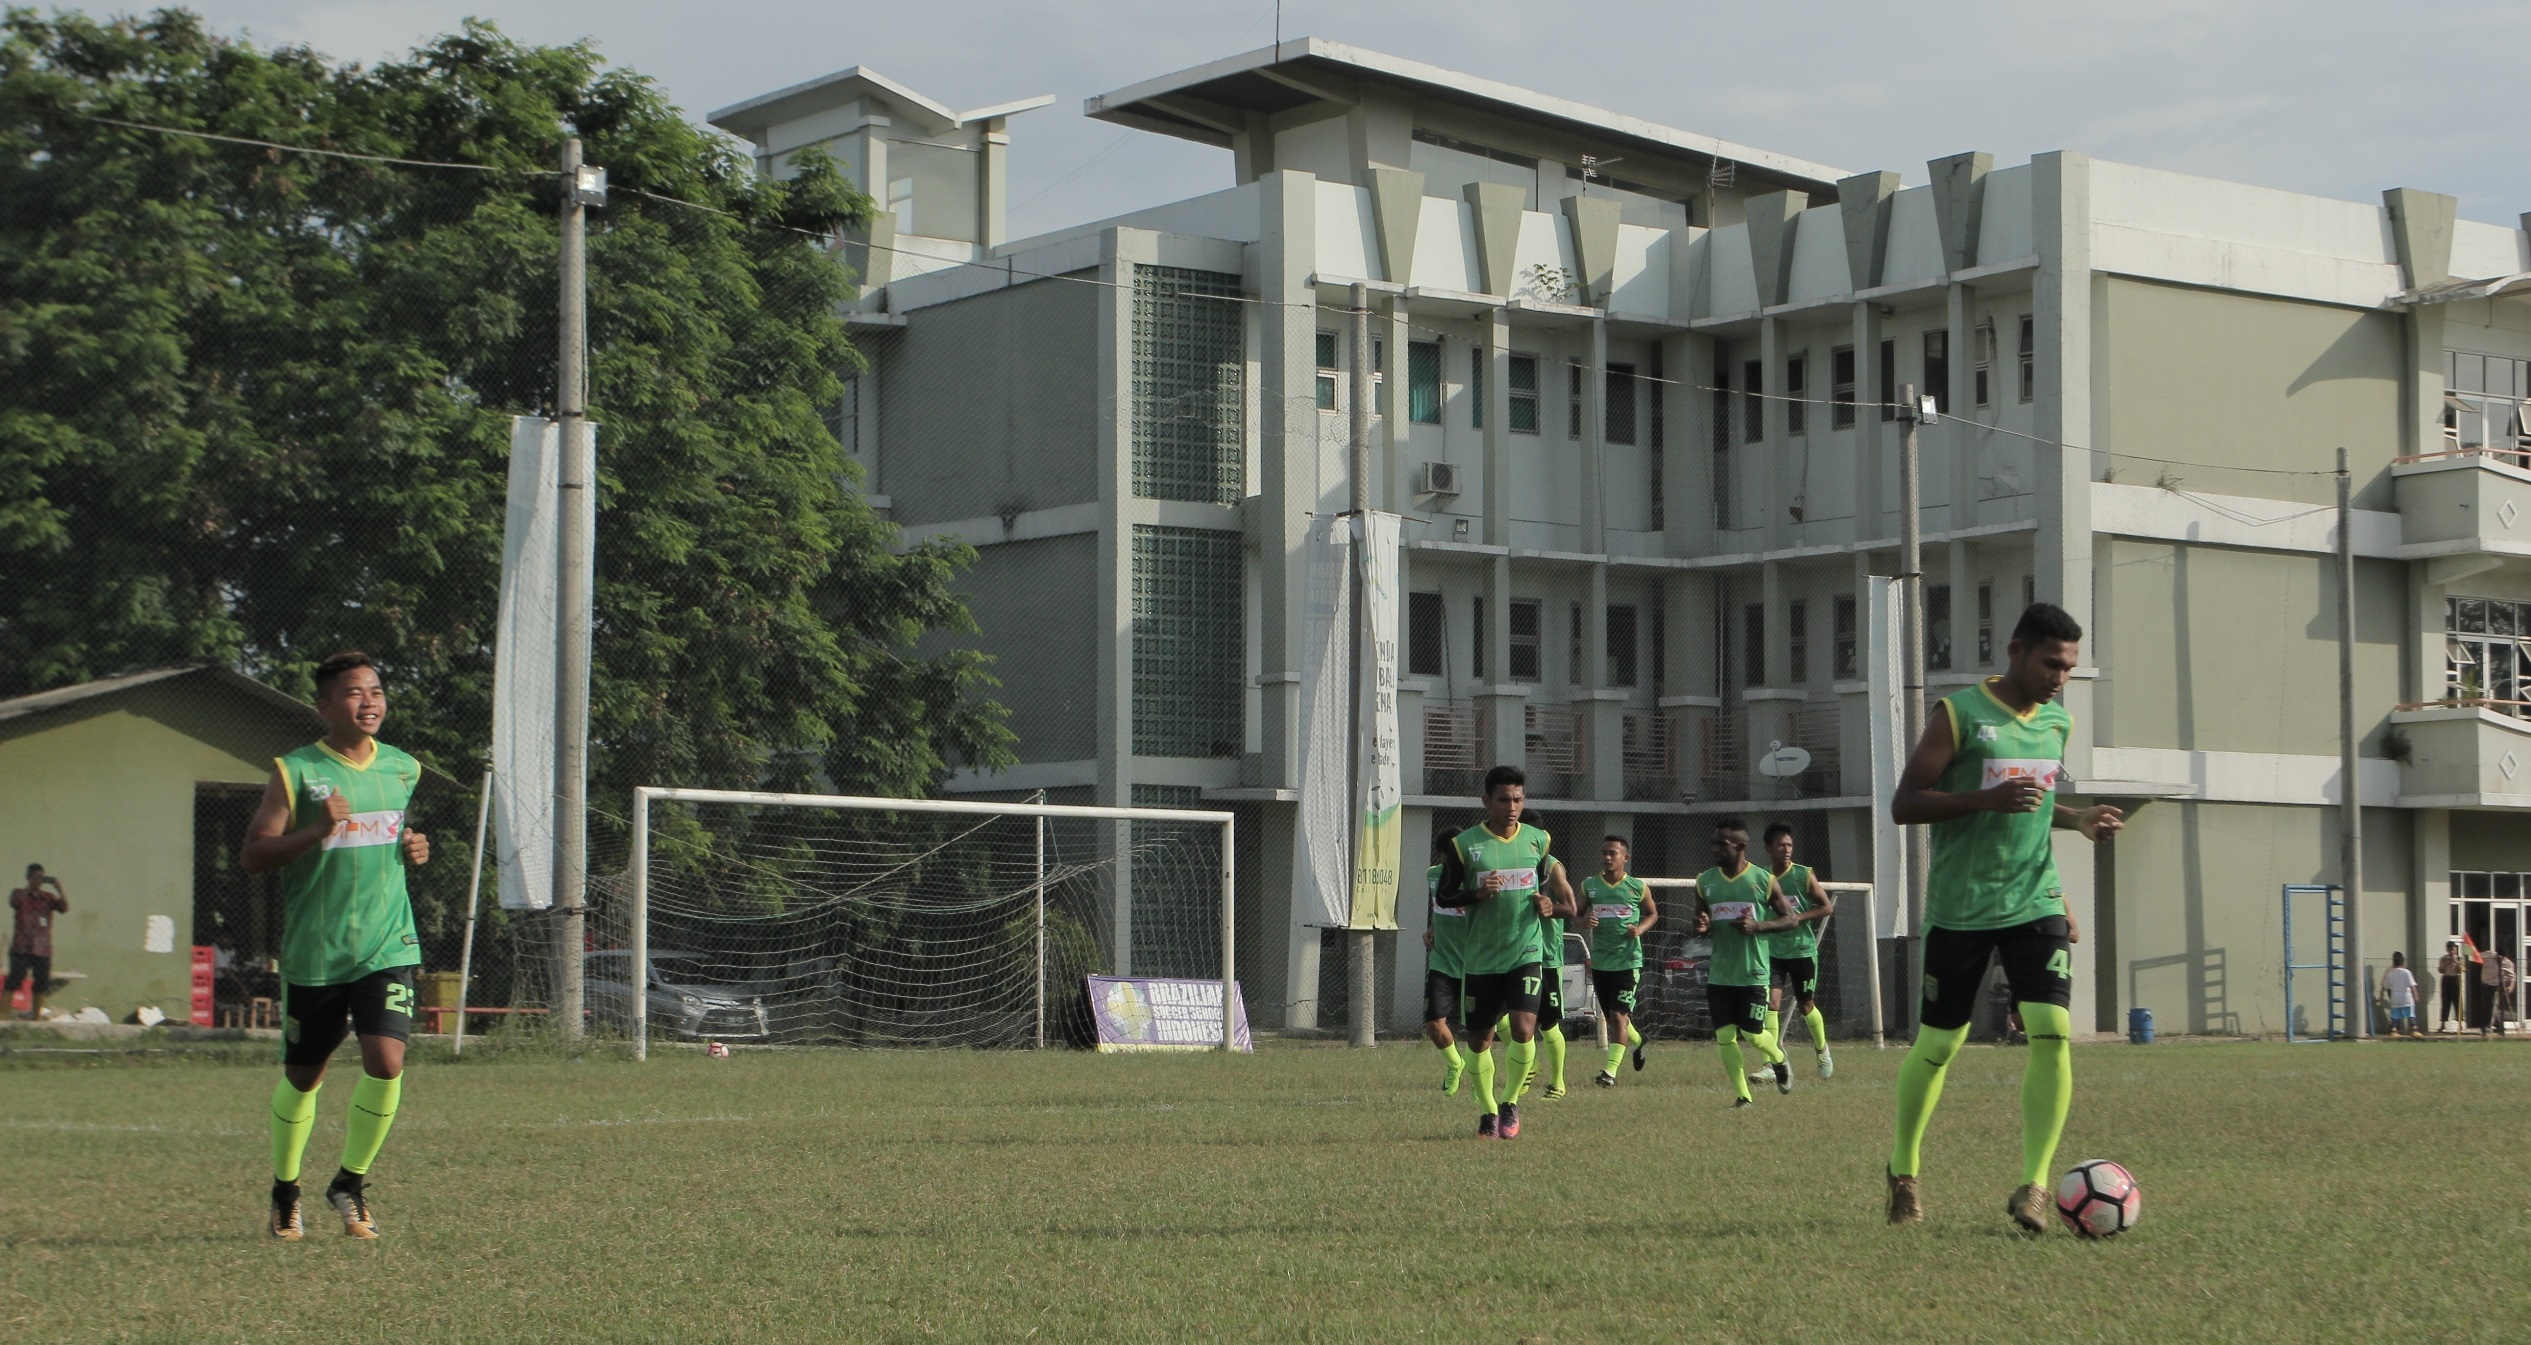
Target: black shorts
[
  {"x": 1491, "y": 995},
  {"x": 314, "y": 1018},
  {"x": 1616, "y": 989},
  {"x": 1441, "y": 1000},
  {"x": 2038, "y": 966},
  {"x": 1801, "y": 973},
  {"x": 34, "y": 969},
  {"x": 1740, "y": 1006},
  {"x": 1550, "y": 997}
]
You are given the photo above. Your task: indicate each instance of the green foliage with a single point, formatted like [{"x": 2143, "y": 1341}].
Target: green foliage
[{"x": 257, "y": 403}]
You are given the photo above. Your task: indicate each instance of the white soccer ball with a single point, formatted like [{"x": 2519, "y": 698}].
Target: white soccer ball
[
  {"x": 2099, "y": 1199},
  {"x": 717, "y": 1051}
]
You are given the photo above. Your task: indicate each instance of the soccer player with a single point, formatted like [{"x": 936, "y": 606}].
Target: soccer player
[
  {"x": 1617, "y": 910},
  {"x": 1442, "y": 926},
  {"x": 1738, "y": 904},
  {"x": 1981, "y": 779},
  {"x": 1551, "y": 1043},
  {"x": 1794, "y": 954},
  {"x": 1498, "y": 872},
  {"x": 332, "y": 822}
]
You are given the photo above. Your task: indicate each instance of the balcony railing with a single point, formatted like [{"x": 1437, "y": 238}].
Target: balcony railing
[
  {"x": 1819, "y": 730},
  {"x": 1650, "y": 748},
  {"x": 1722, "y": 754},
  {"x": 1552, "y": 740},
  {"x": 2484, "y": 424},
  {"x": 1454, "y": 749}
]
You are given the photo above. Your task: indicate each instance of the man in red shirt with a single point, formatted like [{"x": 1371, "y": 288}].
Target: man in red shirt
[{"x": 31, "y": 946}]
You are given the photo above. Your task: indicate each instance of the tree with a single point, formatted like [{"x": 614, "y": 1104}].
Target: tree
[{"x": 254, "y": 402}]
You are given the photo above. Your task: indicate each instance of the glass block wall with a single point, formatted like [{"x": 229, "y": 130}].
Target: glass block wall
[
  {"x": 1188, "y": 379},
  {"x": 1187, "y": 654}
]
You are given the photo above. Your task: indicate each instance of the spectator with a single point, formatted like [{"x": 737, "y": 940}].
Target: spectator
[
  {"x": 31, "y": 946},
  {"x": 2496, "y": 972},
  {"x": 2449, "y": 971},
  {"x": 2400, "y": 984}
]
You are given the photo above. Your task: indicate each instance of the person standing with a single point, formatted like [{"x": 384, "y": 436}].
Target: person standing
[
  {"x": 31, "y": 939},
  {"x": 2448, "y": 972},
  {"x": 2400, "y": 985},
  {"x": 332, "y": 822},
  {"x": 2496, "y": 972}
]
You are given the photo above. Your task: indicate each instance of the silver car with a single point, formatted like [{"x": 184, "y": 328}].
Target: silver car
[{"x": 684, "y": 996}]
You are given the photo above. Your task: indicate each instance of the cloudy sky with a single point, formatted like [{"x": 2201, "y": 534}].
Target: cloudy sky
[{"x": 2336, "y": 97}]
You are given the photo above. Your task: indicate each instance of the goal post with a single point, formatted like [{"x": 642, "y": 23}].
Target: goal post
[
  {"x": 767, "y": 915},
  {"x": 1850, "y": 989}
]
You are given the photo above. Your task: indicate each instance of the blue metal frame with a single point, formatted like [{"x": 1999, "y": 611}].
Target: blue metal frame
[{"x": 2334, "y": 913}]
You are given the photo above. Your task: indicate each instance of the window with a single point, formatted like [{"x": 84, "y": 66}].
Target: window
[
  {"x": 1887, "y": 393},
  {"x": 846, "y": 421},
  {"x": 1524, "y": 389},
  {"x": 1476, "y": 647},
  {"x": 1573, "y": 400},
  {"x": 1843, "y": 653},
  {"x": 1189, "y": 689},
  {"x": 1476, "y": 387},
  {"x": 1423, "y": 382},
  {"x": 1326, "y": 371},
  {"x": 1527, "y": 618},
  {"x": 1796, "y": 383},
  {"x": 1753, "y": 645},
  {"x": 1938, "y": 627},
  {"x": 1621, "y": 403},
  {"x": 1573, "y": 648},
  {"x": 2028, "y": 345},
  {"x": 1660, "y": 646},
  {"x": 2487, "y": 653},
  {"x": 1984, "y": 341},
  {"x": 1722, "y": 442},
  {"x": 1621, "y": 646},
  {"x": 2029, "y": 592},
  {"x": 1797, "y": 626},
  {"x": 1652, "y": 420},
  {"x": 1841, "y": 388},
  {"x": 1937, "y": 384},
  {"x": 1986, "y": 625},
  {"x": 1752, "y": 401},
  {"x": 1189, "y": 382},
  {"x": 1424, "y": 635}
]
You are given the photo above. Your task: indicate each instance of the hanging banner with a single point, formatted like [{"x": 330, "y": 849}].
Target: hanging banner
[
  {"x": 1886, "y": 710},
  {"x": 1378, "y": 851},
  {"x": 1322, "y": 840},
  {"x": 525, "y": 641},
  {"x": 1144, "y": 1013}
]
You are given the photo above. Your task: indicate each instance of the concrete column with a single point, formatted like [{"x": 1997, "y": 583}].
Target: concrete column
[
  {"x": 1503, "y": 698},
  {"x": 1606, "y": 724},
  {"x": 1120, "y": 250},
  {"x": 1775, "y": 523},
  {"x": 1595, "y": 442},
  {"x": 1777, "y": 653},
  {"x": 1871, "y": 509},
  {"x": 995, "y": 192},
  {"x": 2061, "y": 410},
  {"x": 1289, "y": 481},
  {"x": 1960, "y": 432}
]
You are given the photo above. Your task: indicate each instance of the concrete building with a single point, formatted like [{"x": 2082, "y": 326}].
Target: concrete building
[{"x": 1633, "y": 396}]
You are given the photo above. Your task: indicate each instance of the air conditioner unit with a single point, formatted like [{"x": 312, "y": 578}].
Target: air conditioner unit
[{"x": 1438, "y": 478}]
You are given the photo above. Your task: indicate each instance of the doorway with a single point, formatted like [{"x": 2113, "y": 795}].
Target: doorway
[{"x": 2488, "y": 910}]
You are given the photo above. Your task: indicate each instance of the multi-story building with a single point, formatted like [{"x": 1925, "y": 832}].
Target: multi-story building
[{"x": 1635, "y": 392}]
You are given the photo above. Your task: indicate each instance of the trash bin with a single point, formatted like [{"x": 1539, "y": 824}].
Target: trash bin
[
  {"x": 439, "y": 989},
  {"x": 2140, "y": 1026}
]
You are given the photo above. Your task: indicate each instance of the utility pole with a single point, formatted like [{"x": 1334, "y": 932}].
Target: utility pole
[
  {"x": 1911, "y": 587},
  {"x": 1365, "y": 945},
  {"x": 2350, "y": 793},
  {"x": 582, "y": 187}
]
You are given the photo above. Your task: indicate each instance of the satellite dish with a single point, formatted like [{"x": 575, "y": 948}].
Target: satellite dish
[{"x": 1783, "y": 763}]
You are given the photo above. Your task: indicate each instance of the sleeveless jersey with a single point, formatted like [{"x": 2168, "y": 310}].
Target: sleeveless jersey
[
  {"x": 1617, "y": 905},
  {"x": 1800, "y": 940},
  {"x": 1448, "y": 923},
  {"x": 1739, "y": 959},
  {"x": 1996, "y": 870},
  {"x": 1501, "y": 932},
  {"x": 344, "y": 910}
]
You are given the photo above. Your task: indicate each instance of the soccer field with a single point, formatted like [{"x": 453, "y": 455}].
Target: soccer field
[{"x": 1304, "y": 1193}]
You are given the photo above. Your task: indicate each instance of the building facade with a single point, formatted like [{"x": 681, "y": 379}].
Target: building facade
[{"x": 1634, "y": 392}]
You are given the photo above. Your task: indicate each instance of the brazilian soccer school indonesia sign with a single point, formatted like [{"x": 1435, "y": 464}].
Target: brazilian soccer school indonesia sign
[{"x": 1350, "y": 839}]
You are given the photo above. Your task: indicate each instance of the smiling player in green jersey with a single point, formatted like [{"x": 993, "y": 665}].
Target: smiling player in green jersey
[
  {"x": 332, "y": 822},
  {"x": 1794, "y": 953},
  {"x": 1737, "y": 903},
  {"x": 1443, "y": 926},
  {"x": 1501, "y": 874},
  {"x": 1617, "y": 910},
  {"x": 1982, "y": 779}
]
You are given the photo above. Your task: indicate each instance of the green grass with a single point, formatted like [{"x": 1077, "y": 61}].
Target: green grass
[{"x": 2291, "y": 1193}]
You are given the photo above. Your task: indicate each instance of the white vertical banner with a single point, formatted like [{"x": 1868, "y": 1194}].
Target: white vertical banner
[
  {"x": 1377, "y": 853},
  {"x": 523, "y": 669},
  {"x": 1885, "y": 707},
  {"x": 1322, "y": 841}
]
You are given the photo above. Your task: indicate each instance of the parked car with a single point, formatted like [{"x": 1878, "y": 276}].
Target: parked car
[{"x": 685, "y": 997}]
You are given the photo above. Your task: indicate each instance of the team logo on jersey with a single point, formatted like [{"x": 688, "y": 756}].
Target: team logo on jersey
[
  {"x": 319, "y": 790},
  {"x": 1986, "y": 733}
]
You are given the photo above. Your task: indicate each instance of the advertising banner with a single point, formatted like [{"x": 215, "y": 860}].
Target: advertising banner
[
  {"x": 1378, "y": 853},
  {"x": 1322, "y": 860},
  {"x": 1141, "y": 1013}
]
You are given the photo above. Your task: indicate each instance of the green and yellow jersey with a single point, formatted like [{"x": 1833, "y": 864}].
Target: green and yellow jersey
[
  {"x": 344, "y": 909},
  {"x": 1739, "y": 959},
  {"x": 1801, "y": 940},
  {"x": 1501, "y": 931},
  {"x": 1448, "y": 924},
  {"x": 1617, "y": 906},
  {"x": 1996, "y": 870}
]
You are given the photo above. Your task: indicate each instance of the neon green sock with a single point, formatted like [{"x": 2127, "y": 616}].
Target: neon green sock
[
  {"x": 1769, "y": 1049},
  {"x": 1818, "y": 1025},
  {"x": 2047, "y": 1087},
  {"x": 1733, "y": 1063},
  {"x": 1554, "y": 1066},
  {"x": 1483, "y": 1063},
  {"x": 1633, "y": 1038},
  {"x": 373, "y": 1112},
  {"x": 1616, "y": 1055},
  {"x": 1919, "y": 1088},
  {"x": 1520, "y": 1065},
  {"x": 1774, "y": 1024},
  {"x": 293, "y": 1117}
]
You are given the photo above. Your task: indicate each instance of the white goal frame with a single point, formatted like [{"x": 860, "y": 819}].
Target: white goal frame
[
  {"x": 639, "y": 867},
  {"x": 1867, "y": 909}
]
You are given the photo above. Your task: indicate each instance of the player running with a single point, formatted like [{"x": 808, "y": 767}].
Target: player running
[
  {"x": 1551, "y": 1043},
  {"x": 1617, "y": 910},
  {"x": 332, "y": 821},
  {"x": 1981, "y": 778},
  {"x": 1794, "y": 953},
  {"x": 1731, "y": 899},
  {"x": 1442, "y": 927},
  {"x": 1500, "y": 873}
]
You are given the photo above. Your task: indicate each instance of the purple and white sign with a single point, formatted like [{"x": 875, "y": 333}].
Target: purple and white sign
[{"x": 1140, "y": 1013}]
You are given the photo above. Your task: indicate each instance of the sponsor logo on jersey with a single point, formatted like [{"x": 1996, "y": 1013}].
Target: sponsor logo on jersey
[
  {"x": 320, "y": 790},
  {"x": 1986, "y": 733},
  {"x": 380, "y": 828},
  {"x": 2000, "y": 770},
  {"x": 1612, "y": 910},
  {"x": 1731, "y": 912},
  {"x": 1518, "y": 880}
]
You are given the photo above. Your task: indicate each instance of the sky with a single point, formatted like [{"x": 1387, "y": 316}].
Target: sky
[{"x": 2338, "y": 98}]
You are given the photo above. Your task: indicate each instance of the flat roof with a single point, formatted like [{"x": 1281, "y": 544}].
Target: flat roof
[
  {"x": 751, "y": 119},
  {"x": 1276, "y": 79}
]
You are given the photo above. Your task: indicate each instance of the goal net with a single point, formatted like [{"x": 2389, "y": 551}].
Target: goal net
[
  {"x": 764, "y": 917},
  {"x": 1671, "y": 1001}
]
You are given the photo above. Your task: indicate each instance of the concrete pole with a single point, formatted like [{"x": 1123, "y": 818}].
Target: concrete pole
[
  {"x": 572, "y": 589},
  {"x": 1911, "y": 582},
  {"x": 1365, "y": 945},
  {"x": 2350, "y": 796}
]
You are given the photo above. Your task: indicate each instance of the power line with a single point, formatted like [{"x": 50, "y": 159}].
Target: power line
[{"x": 305, "y": 149}]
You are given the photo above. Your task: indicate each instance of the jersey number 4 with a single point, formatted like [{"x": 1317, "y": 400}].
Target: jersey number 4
[{"x": 2061, "y": 964}]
